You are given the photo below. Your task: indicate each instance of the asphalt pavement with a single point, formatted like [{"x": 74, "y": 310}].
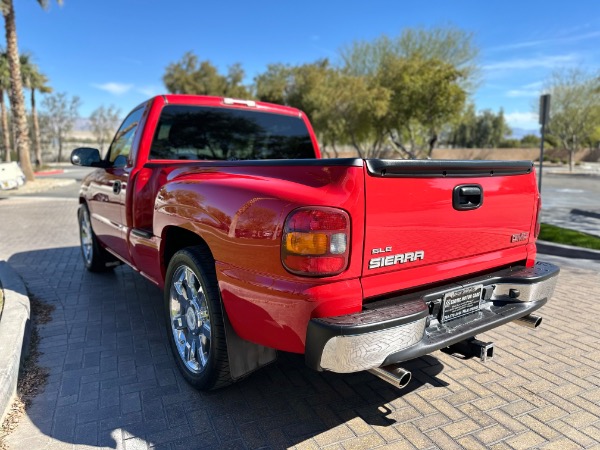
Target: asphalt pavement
[{"x": 572, "y": 201}]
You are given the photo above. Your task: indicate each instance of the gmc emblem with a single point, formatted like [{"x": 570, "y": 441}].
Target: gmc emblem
[{"x": 519, "y": 237}]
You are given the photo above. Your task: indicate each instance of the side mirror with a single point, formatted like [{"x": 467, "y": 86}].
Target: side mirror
[{"x": 85, "y": 156}]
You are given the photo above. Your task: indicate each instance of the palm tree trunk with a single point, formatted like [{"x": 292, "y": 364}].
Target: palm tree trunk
[
  {"x": 17, "y": 101},
  {"x": 5, "y": 129},
  {"x": 36, "y": 131}
]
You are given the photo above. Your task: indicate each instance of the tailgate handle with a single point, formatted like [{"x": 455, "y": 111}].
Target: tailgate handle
[{"x": 467, "y": 196}]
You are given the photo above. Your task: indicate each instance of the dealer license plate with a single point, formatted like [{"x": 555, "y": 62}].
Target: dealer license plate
[{"x": 461, "y": 302}]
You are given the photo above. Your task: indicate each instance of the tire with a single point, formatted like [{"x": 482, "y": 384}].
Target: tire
[
  {"x": 95, "y": 258},
  {"x": 194, "y": 319}
]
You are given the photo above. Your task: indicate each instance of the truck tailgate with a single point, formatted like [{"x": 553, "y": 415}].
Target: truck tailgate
[{"x": 441, "y": 215}]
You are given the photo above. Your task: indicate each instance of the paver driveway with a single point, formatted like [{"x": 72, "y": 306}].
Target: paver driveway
[{"x": 113, "y": 382}]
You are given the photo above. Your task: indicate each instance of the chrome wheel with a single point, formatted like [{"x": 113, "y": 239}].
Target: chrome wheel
[
  {"x": 190, "y": 319},
  {"x": 85, "y": 234}
]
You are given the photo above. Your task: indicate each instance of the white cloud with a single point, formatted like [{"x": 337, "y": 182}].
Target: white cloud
[
  {"x": 534, "y": 85},
  {"x": 548, "y": 62},
  {"x": 549, "y": 42},
  {"x": 528, "y": 90},
  {"x": 518, "y": 119},
  {"x": 150, "y": 91},
  {"x": 114, "y": 88},
  {"x": 516, "y": 93}
]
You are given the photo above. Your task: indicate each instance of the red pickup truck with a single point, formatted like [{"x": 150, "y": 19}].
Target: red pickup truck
[{"x": 260, "y": 245}]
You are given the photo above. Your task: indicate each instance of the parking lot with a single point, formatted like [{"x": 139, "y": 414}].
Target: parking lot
[{"x": 113, "y": 382}]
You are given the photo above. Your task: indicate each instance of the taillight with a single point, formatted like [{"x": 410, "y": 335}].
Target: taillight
[
  {"x": 316, "y": 241},
  {"x": 538, "y": 218}
]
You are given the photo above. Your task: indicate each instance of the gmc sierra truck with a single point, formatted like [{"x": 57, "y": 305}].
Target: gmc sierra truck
[{"x": 260, "y": 245}]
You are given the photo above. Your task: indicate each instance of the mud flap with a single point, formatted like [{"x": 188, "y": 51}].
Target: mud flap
[{"x": 245, "y": 357}]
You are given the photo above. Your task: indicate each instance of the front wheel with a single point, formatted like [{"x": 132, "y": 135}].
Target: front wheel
[
  {"x": 95, "y": 258},
  {"x": 195, "y": 319}
]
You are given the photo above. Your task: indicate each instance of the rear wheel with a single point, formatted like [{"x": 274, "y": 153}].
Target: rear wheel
[
  {"x": 195, "y": 319},
  {"x": 95, "y": 258}
]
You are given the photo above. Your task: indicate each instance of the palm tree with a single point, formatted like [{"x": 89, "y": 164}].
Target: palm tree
[
  {"x": 17, "y": 100},
  {"x": 4, "y": 86},
  {"x": 34, "y": 80}
]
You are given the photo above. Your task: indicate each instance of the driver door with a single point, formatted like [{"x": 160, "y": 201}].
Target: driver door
[{"x": 108, "y": 201}]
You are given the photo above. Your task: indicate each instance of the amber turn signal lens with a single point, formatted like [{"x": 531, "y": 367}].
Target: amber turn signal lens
[
  {"x": 306, "y": 243},
  {"x": 316, "y": 241}
]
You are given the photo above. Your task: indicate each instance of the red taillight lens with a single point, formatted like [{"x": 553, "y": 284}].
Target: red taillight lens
[
  {"x": 316, "y": 241},
  {"x": 538, "y": 218},
  {"x": 321, "y": 219}
]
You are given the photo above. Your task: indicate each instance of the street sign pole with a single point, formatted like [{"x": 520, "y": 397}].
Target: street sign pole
[
  {"x": 541, "y": 158},
  {"x": 544, "y": 116}
]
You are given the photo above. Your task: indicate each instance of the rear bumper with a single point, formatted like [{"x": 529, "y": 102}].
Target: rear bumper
[{"x": 406, "y": 327}]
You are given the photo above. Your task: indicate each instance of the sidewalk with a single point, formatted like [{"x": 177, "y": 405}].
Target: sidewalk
[
  {"x": 585, "y": 168},
  {"x": 38, "y": 186}
]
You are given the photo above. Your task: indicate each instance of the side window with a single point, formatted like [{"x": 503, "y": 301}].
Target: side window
[{"x": 121, "y": 145}]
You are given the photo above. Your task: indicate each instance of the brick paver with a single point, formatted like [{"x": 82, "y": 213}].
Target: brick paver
[{"x": 113, "y": 382}]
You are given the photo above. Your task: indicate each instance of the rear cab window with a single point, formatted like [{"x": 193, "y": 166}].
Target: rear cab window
[{"x": 212, "y": 133}]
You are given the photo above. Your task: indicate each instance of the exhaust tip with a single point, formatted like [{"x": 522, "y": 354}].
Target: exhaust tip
[
  {"x": 393, "y": 374},
  {"x": 405, "y": 379},
  {"x": 530, "y": 321}
]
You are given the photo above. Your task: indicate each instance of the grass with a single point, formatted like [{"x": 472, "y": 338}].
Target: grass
[{"x": 565, "y": 236}]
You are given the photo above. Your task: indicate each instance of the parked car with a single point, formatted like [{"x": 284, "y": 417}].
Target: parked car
[
  {"x": 260, "y": 245},
  {"x": 11, "y": 176}
]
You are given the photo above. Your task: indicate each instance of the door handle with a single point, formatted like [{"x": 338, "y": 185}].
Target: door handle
[
  {"x": 467, "y": 196},
  {"x": 117, "y": 187}
]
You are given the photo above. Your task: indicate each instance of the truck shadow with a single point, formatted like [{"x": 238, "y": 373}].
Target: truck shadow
[{"x": 112, "y": 377}]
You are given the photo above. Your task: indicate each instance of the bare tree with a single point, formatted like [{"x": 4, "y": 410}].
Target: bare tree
[
  {"x": 104, "y": 122},
  {"x": 62, "y": 112}
]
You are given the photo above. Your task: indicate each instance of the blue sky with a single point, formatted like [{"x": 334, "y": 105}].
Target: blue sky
[{"x": 115, "y": 51}]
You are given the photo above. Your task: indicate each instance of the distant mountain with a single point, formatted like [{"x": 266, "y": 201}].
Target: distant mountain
[{"x": 518, "y": 133}]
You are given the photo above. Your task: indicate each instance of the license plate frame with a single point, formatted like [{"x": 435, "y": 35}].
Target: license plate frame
[{"x": 461, "y": 302}]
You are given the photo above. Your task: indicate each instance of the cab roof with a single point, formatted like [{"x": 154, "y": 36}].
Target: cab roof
[{"x": 227, "y": 102}]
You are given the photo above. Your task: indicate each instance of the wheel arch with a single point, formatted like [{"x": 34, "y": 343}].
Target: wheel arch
[
  {"x": 244, "y": 356},
  {"x": 175, "y": 238}
]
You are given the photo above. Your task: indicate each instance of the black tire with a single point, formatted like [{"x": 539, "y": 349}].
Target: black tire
[
  {"x": 95, "y": 258},
  {"x": 203, "y": 371}
]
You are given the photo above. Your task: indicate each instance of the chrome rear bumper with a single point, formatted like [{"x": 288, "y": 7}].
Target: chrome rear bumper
[{"x": 406, "y": 327}]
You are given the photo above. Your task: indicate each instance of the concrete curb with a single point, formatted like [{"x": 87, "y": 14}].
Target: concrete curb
[
  {"x": 566, "y": 251},
  {"x": 15, "y": 331},
  {"x": 573, "y": 174}
]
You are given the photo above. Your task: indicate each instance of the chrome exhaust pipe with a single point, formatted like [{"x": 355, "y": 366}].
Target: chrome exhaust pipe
[
  {"x": 530, "y": 321},
  {"x": 393, "y": 374}
]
